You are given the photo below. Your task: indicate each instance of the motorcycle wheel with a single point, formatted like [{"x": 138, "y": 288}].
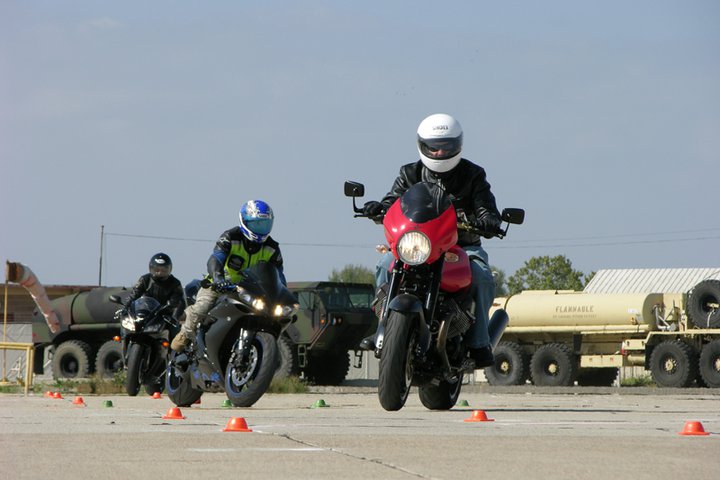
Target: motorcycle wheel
[
  {"x": 136, "y": 366},
  {"x": 244, "y": 386},
  {"x": 396, "y": 368},
  {"x": 178, "y": 386},
  {"x": 440, "y": 397}
]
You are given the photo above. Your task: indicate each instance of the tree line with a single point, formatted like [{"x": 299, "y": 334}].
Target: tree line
[{"x": 538, "y": 273}]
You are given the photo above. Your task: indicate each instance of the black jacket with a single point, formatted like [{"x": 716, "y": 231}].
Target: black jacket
[
  {"x": 163, "y": 291},
  {"x": 467, "y": 184}
]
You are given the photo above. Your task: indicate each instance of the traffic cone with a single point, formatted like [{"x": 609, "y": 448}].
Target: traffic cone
[
  {"x": 463, "y": 403},
  {"x": 79, "y": 402},
  {"x": 57, "y": 395},
  {"x": 156, "y": 395},
  {"x": 48, "y": 394},
  {"x": 320, "y": 404},
  {"x": 479, "y": 416},
  {"x": 227, "y": 404},
  {"x": 107, "y": 403},
  {"x": 693, "y": 428},
  {"x": 174, "y": 414},
  {"x": 236, "y": 424}
]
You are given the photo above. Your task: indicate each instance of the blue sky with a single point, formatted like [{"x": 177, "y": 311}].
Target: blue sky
[{"x": 601, "y": 119}]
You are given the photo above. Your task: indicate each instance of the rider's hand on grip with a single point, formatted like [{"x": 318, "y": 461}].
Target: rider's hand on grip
[
  {"x": 373, "y": 208},
  {"x": 223, "y": 286},
  {"x": 490, "y": 225},
  {"x": 120, "y": 313}
]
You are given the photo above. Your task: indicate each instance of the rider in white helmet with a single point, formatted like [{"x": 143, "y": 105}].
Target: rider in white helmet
[{"x": 440, "y": 141}]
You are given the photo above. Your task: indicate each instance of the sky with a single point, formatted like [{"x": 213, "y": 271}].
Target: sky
[{"x": 129, "y": 128}]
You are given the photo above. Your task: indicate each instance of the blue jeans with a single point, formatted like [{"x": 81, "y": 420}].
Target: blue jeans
[{"x": 483, "y": 288}]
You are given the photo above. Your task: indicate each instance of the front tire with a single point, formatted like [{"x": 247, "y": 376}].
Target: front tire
[
  {"x": 178, "y": 386},
  {"x": 396, "y": 367},
  {"x": 136, "y": 368},
  {"x": 245, "y": 385}
]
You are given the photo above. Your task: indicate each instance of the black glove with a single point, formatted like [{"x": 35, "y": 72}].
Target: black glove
[
  {"x": 489, "y": 224},
  {"x": 220, "y": 283},
  {"x": 373, "y": 208}
]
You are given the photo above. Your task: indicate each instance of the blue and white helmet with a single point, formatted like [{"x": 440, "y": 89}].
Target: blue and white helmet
[{"x": 256, "y": 220}]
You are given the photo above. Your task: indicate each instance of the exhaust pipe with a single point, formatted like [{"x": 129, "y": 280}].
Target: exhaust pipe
[
  {"x": 19, "y": 273},
  {"x": 497, "y": 325}
]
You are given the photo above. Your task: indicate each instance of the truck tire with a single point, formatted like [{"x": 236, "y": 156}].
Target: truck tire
[
  {"x": 71, "y": 360},
  {"x": 288, "y": 364},
  {"x": 710, "y": 364},
  {"x": 553, "y": 365},
  {"x": 109, "y": 360},
  {"x": 330, "y": 368},
  {"x": 701, "y": 303},
  {"x": 597, "y": 377},
  {"x": 674, "y": 364},
  {"x": 512, "y": 366}
]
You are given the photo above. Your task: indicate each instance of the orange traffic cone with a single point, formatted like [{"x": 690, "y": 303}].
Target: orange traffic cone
[
  {"x": 48, "y": 394},
  {"x": 174, "y": 414},
  {"x": 156, "y": 395},
  {"x": 479, "y": 416},
  {"x": 57, "y": 395},
  {"x": 79, "y": 402},
  {"x": 693, "y": 428},
  {"x": 236, "y": 424}
]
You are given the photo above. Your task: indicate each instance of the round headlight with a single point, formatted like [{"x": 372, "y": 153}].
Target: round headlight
[{"x": 414, "y": 248}]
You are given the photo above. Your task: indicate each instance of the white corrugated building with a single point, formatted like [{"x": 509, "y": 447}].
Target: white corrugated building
[{"x": 649, "y": 280}]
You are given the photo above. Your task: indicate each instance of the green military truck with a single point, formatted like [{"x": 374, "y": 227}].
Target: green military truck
[{"x": 332, "y": 320}]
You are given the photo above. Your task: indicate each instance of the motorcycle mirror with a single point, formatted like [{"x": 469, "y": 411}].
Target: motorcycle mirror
[
  {"x": 354, "y": 189},
  {"x": 513, "y": 215},
  {"x": 115, "y": 299}
]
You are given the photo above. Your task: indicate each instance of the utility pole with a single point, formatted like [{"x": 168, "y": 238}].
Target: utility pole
[{"x": 102, "y": 238}]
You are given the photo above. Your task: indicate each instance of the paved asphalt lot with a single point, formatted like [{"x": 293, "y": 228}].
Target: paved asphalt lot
[{"x": 568, "y": 434}]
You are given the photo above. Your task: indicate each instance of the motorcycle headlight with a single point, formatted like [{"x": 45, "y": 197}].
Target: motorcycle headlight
[
  {"x": 255, "y": 302},
  {"x": 285, "y": 310},
  {"x": 128, "y": 324},
  {"x": 414, "y": 248}
]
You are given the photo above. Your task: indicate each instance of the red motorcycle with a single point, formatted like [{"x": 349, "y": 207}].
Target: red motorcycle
[{"x": 427, "y": 305}]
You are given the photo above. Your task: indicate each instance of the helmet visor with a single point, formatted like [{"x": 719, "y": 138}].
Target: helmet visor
[
  {"x": 259, "y": 226},
  {"x": 160, "y": 271},
  {"x": 440, "y": 148}
]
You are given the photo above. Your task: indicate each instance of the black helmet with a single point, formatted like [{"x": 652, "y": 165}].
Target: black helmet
[{"x": 160, "y": 266}]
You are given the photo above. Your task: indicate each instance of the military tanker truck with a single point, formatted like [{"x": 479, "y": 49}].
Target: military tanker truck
[
  {"x": 556, "y": 338},
  {"x": 332, "y": 319}
]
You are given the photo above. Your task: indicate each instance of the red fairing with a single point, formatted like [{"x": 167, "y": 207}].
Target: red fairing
[
  {"x": 456, "y": 273},
  {"x": 442, "y": 231}
]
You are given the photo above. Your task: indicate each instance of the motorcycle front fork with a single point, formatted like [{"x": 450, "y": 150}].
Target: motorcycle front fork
[{"x": 244, "y": 347}]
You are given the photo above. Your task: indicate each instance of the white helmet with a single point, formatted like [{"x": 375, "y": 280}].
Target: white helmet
[{"x": 440, "y": 139}]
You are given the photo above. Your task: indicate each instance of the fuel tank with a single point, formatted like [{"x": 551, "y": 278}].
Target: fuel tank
[{"x": 541, "y": 308}]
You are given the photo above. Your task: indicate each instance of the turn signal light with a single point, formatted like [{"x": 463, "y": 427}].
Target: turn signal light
[{"x": 116, "y": 338}]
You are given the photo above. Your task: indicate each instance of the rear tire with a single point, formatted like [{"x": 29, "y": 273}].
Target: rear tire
[
  {"x": 245, "y": 387},
  {"x": 512, "y": 366},
  {"x": 396, "y": 367},
  {"x": 441, "y": 397},
  {"x": 673, "y": 364},
  {"x": 553, "y": 365},
  {"x": 178, "y": 386},
  {"x": 71, "y": 360},
  {"x": 710, "y": 364},
  {"x": 109, "y": 360}
]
